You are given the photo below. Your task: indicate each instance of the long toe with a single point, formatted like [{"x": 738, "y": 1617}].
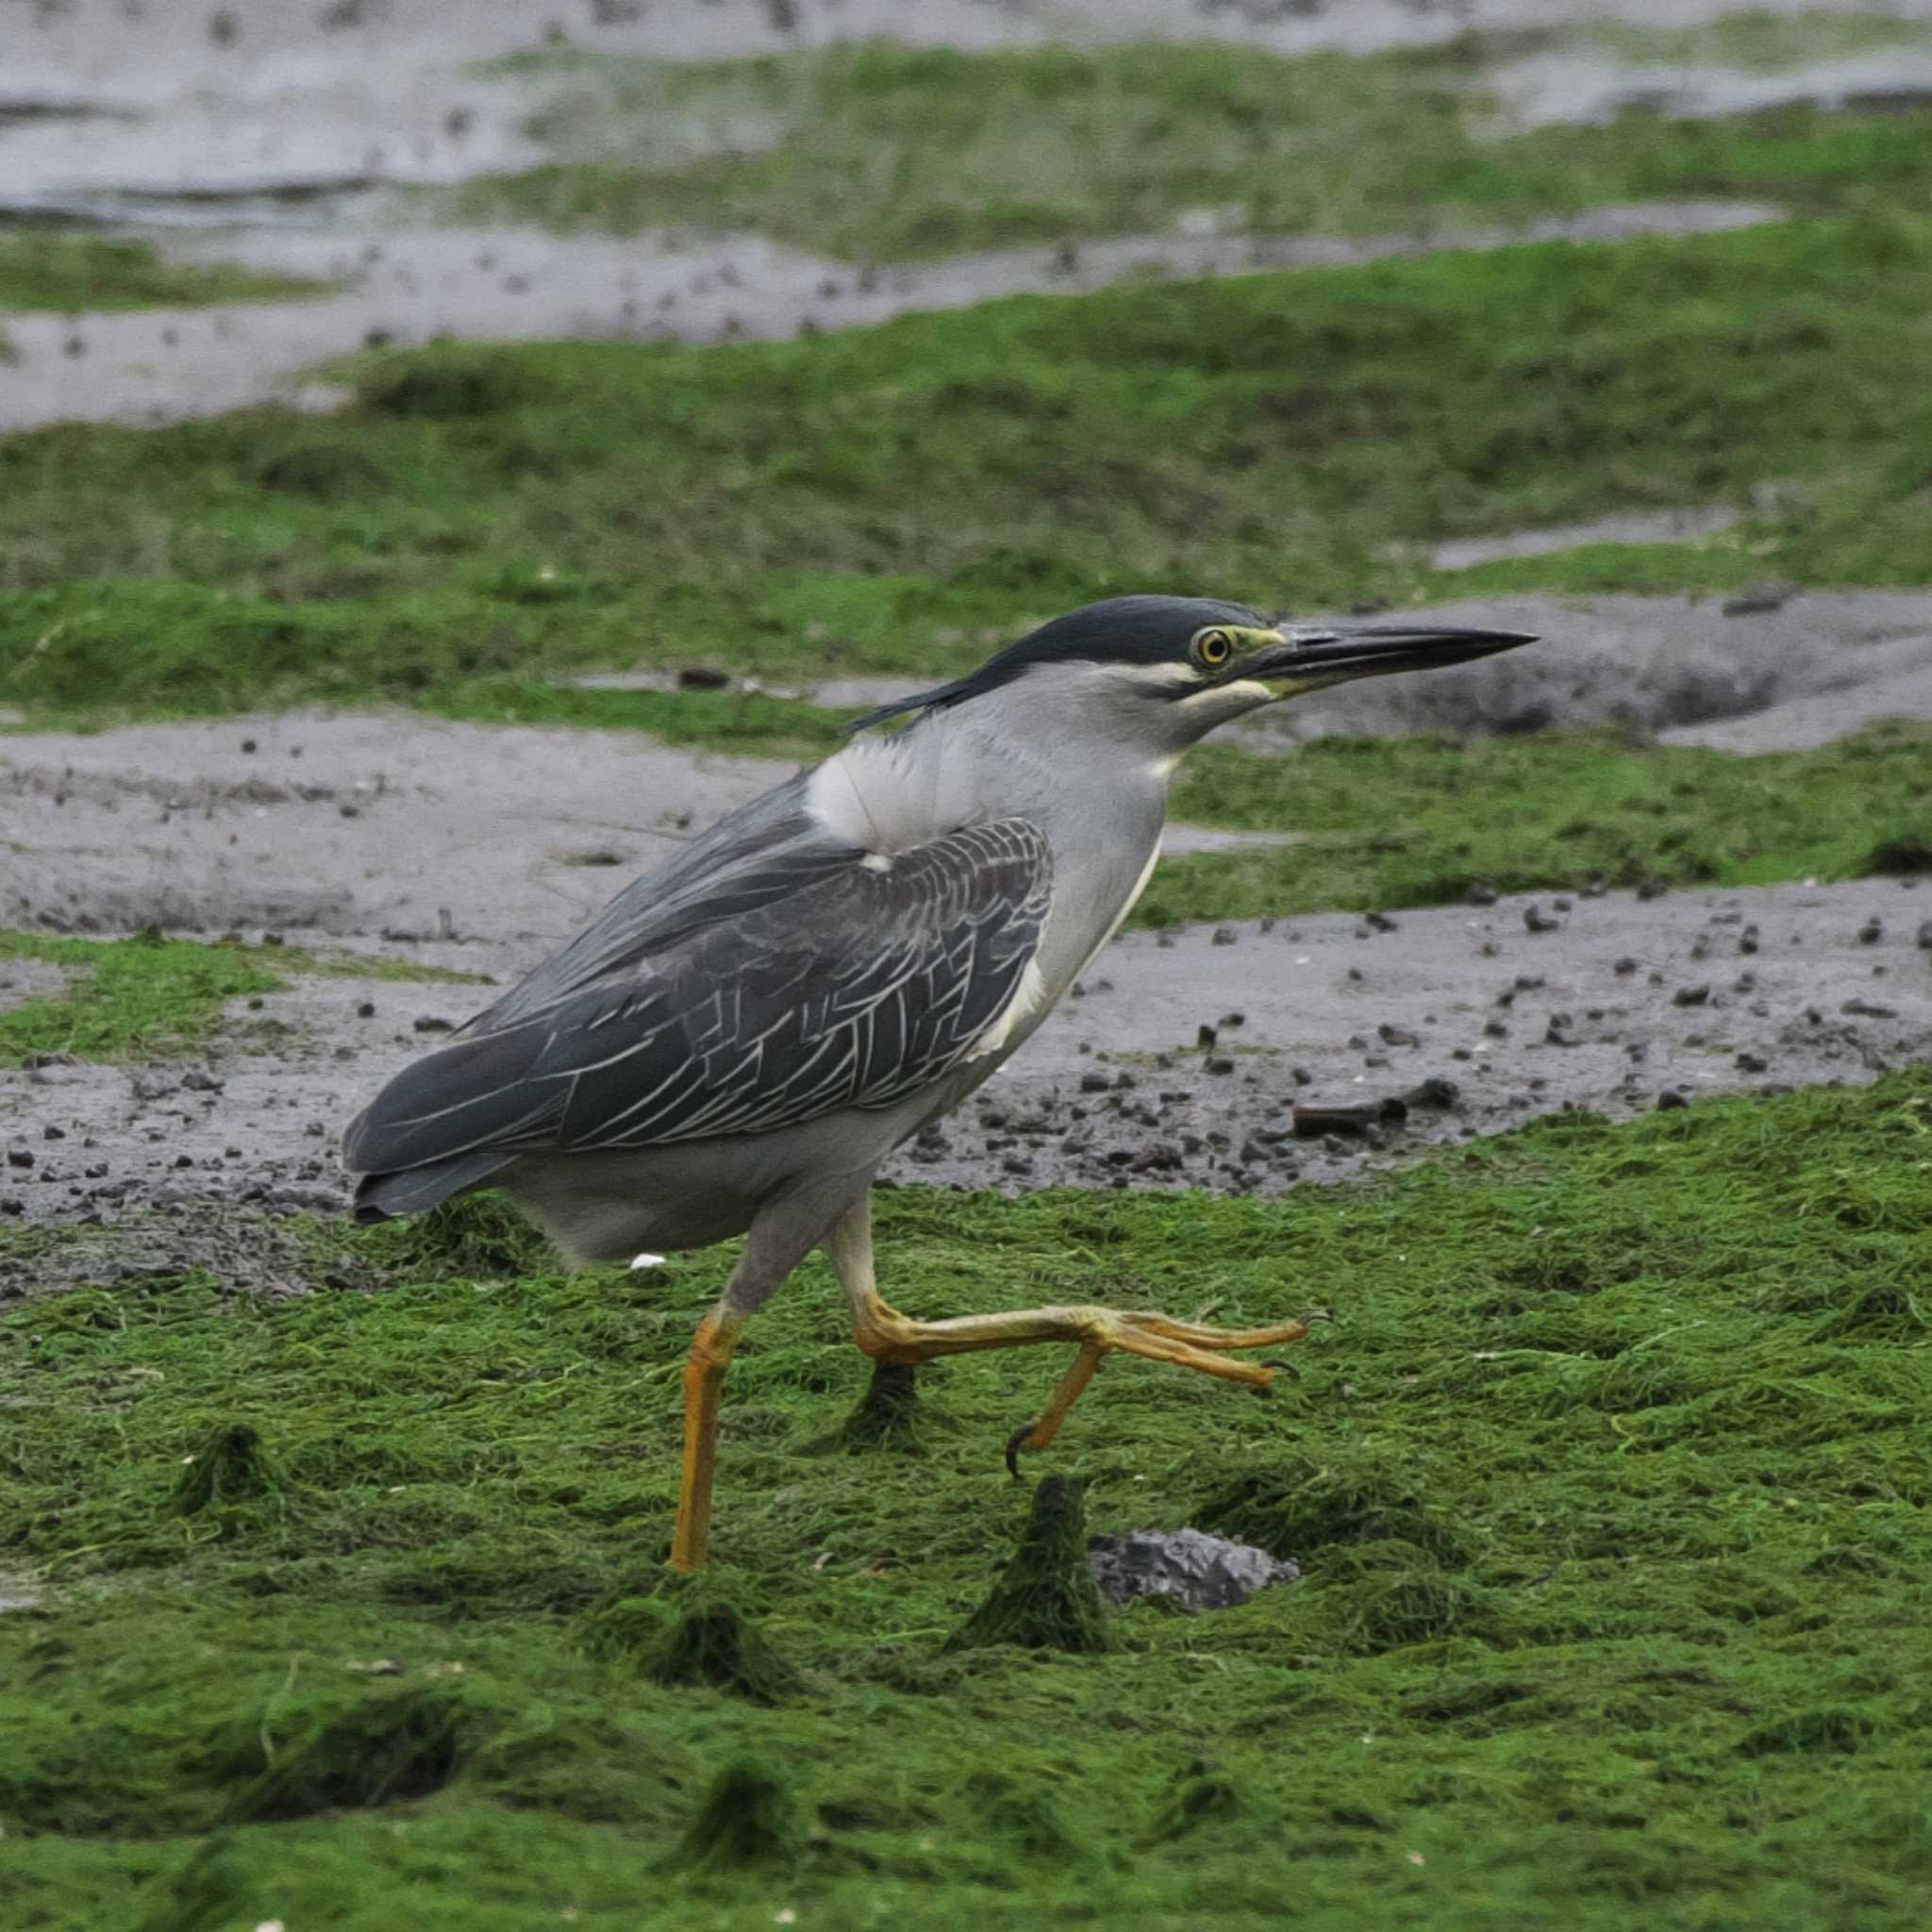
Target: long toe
[{"x": 1202, "y": 1335}]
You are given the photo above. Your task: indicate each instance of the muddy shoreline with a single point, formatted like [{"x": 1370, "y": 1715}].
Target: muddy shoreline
[{"x": 1179, "y": 1063}]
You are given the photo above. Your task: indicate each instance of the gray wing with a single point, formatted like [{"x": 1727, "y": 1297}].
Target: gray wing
[
  {"x": 770, "y": 848},
  {"x": 859, "y": 987}
]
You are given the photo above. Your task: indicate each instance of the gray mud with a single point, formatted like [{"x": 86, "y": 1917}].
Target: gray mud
[
  {"x": 1631, "y": 526},
  {"x": 67, "y": 53},
  {"x": 278, "y": 139},
  {"x": 1463, "y": 1018},
  {"x": 409, "y": 287},
  {"x": 343, "y": 825},
  {"x": 1565, "y": 86},
  {"x": 1766, "y": 670},
  {"x": 28, "y": 980},
  {"x": 277, "y": 133}
]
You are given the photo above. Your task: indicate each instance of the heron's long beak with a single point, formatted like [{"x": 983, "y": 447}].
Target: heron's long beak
[{"x": 1313, "y": 656}]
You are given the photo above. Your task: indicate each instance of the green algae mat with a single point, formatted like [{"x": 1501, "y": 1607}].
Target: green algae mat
[
  {"x": 343, "y": 1603},
  {"x": 483, "y": 522}
]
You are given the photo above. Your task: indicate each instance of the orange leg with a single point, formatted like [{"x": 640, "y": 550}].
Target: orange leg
[
  {"x": 887, "y": 1334},
  {"x": 1046, "y": 1425},
  {"x": 704, "y": 1379}
]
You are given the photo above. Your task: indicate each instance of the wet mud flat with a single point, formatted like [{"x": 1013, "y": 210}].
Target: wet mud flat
[
  {"x": 409, "y": 287},
  {"x": 1240, "y": 1059}
]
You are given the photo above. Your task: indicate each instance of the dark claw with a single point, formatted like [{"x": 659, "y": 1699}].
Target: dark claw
[
  {"x": 1318, "y": 1315},
  {"x": 1014, "y": 1443}
]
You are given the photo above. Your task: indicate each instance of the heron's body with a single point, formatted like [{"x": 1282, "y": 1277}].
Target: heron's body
[{"x": 739, "y": 1040}]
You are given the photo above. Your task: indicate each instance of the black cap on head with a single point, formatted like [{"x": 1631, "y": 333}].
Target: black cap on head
[{"x": 1118, "y": 630}]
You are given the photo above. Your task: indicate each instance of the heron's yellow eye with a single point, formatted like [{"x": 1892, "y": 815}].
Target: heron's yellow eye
[{"x": 1212, "y": 649}]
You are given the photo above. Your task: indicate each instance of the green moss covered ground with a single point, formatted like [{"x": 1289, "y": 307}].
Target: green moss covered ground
[
  {"x": 65, "y": 270},
  {"x": 152, "y": 997},
  {"x": 1610, "y": 1484},
  {"x": 891, "y": 499},
  {"x": 1421, "y": 821},
  {"x": 877, "y": 153}
]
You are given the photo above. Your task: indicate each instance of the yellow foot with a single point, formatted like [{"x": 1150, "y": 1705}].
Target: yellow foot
[{"x": 1190, "y": 1345}]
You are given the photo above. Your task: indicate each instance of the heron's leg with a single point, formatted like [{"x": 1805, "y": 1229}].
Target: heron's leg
[
  {"x": 886, "y": 1335},
  {"x": 887, "y": 1403},
  {"x": 781, "y": 1237},
  {"x": 703, "y": 1381},
  {"x": 849, "y": 1244}
]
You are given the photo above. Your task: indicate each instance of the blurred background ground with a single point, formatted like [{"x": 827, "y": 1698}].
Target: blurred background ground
[{"x": 449, "y": 452}]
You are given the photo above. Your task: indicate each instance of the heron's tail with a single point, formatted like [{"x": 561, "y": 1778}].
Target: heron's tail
[{"x": 413, "y": 1189}]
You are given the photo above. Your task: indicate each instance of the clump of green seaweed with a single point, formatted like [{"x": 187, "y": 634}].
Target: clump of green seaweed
[
  {"x": 1045, "y": 1598},
  {"x": 747, "y": 1821}
]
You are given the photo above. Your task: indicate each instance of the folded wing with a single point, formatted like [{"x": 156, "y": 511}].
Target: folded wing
[{"x": 803, "y": 979}]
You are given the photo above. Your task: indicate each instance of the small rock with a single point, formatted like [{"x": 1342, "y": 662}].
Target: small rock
[
  {"x": 1690, "y": 996},
  {"x": 431, "y": 1023},
  {"x": 1537, "y": 919},
  {"x": 1193, "y": 1569},
  {"x": 1868, "y": 1009},
  {"x": 1754, "y": 599},
  {"x": 1670, "y": 1097},
  {"x": 1752, "y": 1063},
  {"x": 1872, "y": 932},
  {"x": 1225, "y": 936}
]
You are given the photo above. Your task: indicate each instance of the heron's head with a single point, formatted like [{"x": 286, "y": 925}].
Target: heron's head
[{"x": 1169, "y": 668}]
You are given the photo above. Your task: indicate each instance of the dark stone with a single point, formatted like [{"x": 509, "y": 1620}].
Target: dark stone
[{"x": 1186, "y": 1566}]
